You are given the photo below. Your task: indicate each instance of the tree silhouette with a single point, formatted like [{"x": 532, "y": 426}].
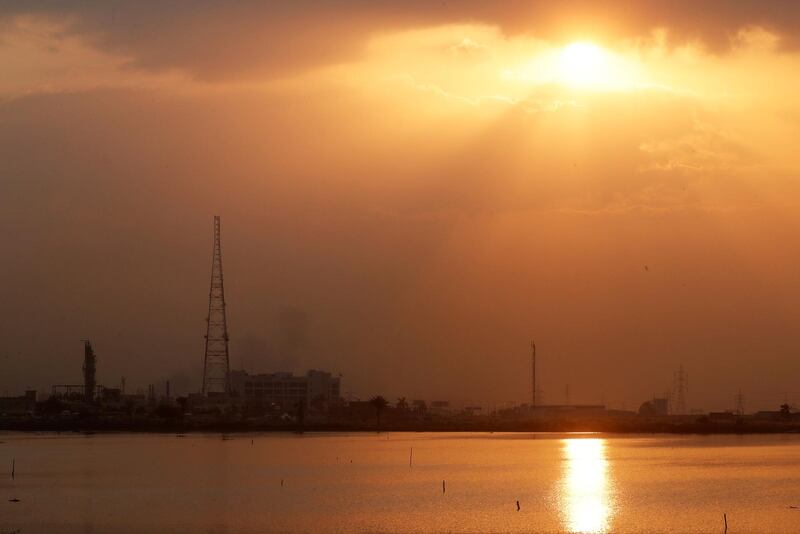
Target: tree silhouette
[
  {"x": 379, "y": 403},
  {"x": 300, "y": 407},
  {"x": 318, "y": 403},
  {"x": 402, "y": 404}
]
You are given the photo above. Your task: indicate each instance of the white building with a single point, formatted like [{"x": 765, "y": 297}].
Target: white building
[{"x": 317, "y": 389}]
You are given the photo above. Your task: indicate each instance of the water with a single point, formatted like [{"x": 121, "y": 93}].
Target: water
[{"x": 127, "y": 483}]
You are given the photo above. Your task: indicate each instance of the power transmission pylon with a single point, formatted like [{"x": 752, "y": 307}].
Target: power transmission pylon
[
  {"x": 533, "y": 374},
  {"x": 680, "y": 385},
  {"x": 215, "y": 362},
  {"x": 739, "y": 403}
]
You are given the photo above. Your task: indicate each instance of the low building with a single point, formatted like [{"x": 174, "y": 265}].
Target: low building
[
  {"x": 552, "y": 411},
  {"x": 316, "y": 389},
  {"x": 655, "y": 407},
  {"x": 472, "y": 411},
  {"x": 773, "y": 415},
  {"x": 358, "y": 410},
  {"x": 439, "y": 407},
  {"x": 24, "y": 404},
  {"x": 204, "y": 404},
  {"x": 419, "y": 406},
  {"x": 725, "y": 417}
]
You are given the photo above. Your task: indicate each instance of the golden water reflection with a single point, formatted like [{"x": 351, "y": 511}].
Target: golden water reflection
[{"x": 585, "y": 486}]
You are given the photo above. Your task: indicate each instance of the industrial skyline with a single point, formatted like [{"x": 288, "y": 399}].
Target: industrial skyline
[
  {"x": 621, "y": 191},
  {"x": 216, "y": 365},
  {"x": 521, "y": 265}
]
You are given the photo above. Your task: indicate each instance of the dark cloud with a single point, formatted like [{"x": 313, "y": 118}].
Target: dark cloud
[{"x": 221, "y": 40}]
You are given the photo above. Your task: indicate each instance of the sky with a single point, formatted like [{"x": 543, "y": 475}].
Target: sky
[{"x": 410, "y": 192}]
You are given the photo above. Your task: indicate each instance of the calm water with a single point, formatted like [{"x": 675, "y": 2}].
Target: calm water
[{"x": 363, "y": 483}]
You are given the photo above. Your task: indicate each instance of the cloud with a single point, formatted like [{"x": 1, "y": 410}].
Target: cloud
[
  {"x": 703, "y": 149},
  {"x": 467, "y": 46},
  {"x": 214, "y": 40},
  {"x": 468, "y": 100}
]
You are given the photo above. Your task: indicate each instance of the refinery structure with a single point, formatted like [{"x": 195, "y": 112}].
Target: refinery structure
[
  {"x": 221, "y": 389},
  {"x": 221, "y": 386},
  {"x": 281, "y": 399}
]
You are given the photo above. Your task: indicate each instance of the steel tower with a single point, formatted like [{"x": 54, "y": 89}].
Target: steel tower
[
  {"x": 533, "y": 375},
  {"x": 739, "y": 403},
  {"x": 680, "y": 386},
  {"x": 89, "y": 371},
  {"x": 215, "y": 363}
]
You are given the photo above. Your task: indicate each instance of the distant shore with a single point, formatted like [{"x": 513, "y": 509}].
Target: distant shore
[{"x": 664, "y": 425}]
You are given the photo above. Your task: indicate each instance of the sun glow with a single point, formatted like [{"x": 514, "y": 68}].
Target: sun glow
[
  {"x": 583, "y": 64},
  {"x": 580, "y": 65}
]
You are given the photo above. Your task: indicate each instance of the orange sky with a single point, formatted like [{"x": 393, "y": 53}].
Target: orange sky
[{"x": 409, "y": 192}]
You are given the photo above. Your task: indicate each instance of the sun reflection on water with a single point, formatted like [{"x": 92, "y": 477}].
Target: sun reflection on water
[{"x": 585, "y": 486}]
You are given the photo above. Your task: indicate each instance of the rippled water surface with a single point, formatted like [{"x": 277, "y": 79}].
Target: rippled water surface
[{"x": 363, "y": 483}]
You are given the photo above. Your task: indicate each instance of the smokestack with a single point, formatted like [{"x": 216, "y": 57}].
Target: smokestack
[
  {"x": 89, "y": 371},
  {"x": 533, "y": 374}
]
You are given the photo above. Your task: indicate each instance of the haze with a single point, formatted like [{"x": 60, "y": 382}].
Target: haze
[{"x": 409, "y": 193}]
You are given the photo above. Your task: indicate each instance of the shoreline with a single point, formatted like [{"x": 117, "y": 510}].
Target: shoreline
[{"x": 239, "y": 427}]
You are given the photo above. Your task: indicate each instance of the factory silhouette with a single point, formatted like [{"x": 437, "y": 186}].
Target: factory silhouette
[{"x": 231, "y": 399}]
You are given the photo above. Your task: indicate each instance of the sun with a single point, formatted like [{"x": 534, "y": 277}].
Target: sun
[{"x": 583, "y": 64}]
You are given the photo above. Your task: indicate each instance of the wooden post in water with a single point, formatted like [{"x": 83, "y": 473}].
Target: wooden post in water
[
  {"x": 410, "y": 456},
  {"x": 443, "y": 487},
  {"x": 725, "y": 518},
  {"x": 13, "y": 468}
]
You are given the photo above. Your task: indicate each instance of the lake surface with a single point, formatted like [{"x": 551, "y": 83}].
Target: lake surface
[{"x": 135, "y": 483}]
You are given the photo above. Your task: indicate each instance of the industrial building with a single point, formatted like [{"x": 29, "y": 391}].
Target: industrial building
[
  {"x": 223, "y": 387},
  {"x": 25, "y": 404},
  {"x": 317, "y": 389},
  {"x": 89, "y": 391},
  {"x": 659, "y": 407}
]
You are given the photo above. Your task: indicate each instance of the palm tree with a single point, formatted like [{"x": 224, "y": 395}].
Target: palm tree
[
  {"x": 402, "y": 404},
  {"x": 379, "y": 403}
]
